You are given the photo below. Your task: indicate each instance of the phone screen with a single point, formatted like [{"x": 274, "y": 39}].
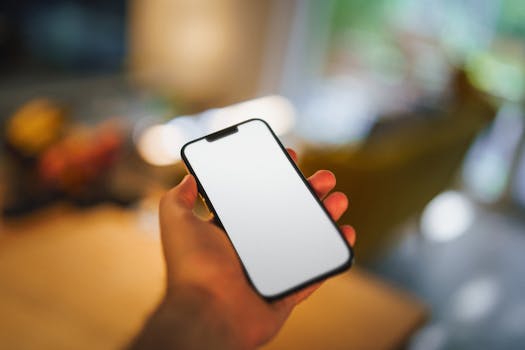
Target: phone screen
[{"x": 283, "y": 236}]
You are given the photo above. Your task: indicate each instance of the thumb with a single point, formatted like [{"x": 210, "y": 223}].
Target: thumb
[{"x": 185, "y": 193}]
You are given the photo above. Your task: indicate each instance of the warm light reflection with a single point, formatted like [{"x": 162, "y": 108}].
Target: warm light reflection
[
  {"x": 447, "y": 216},
  {"x": 160, "y": 144},
  {"x": 275, "y": 110}
]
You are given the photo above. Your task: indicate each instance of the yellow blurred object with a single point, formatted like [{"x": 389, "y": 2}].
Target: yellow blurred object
[
  {"x": 397, "y": 171},
  {"x": 35, "y": 126}
]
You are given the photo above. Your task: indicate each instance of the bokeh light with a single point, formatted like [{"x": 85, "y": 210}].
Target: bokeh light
[
  {"x": 447, "y": 217},
  {"x": 160, "y": 144},
  {"x": 476, "y": 298},
  {"x": 277, "y": 111}
]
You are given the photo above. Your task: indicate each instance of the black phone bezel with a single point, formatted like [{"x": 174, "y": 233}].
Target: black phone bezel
[{"x": 229, "y": 131}]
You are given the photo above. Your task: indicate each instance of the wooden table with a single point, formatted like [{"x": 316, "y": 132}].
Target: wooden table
[{"x": 86, "y": 279}]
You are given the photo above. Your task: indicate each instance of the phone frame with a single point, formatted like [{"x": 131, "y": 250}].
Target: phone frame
[{"x": 234, "y": 129}]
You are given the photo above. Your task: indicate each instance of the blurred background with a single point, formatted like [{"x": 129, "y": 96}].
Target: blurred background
[{"x": 418, "y": 107}]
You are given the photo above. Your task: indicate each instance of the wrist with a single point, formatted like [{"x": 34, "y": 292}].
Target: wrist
[
  {"x": 187, "y": 318},
  {"x": 199, "y": 309}
]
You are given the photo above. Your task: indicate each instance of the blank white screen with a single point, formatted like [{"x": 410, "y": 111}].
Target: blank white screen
[{"x": 282, "y": 235}]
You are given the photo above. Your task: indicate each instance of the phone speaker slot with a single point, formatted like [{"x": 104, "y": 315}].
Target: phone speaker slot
[{"x": 222, "y": 133}]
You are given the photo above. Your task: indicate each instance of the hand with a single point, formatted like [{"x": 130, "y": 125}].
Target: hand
[{"x": 202, "y": 263}]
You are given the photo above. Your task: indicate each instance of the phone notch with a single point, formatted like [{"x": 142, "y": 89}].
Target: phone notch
[{"x": 222, "y": 133}]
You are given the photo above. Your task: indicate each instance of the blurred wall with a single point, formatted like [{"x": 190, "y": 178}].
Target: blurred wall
[{"x": 203, "y": 52}]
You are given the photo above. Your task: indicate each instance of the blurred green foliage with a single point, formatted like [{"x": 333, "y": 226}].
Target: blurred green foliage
[
  {"x": 486, "y": 37},
  {"x": 512, "y": 18}
]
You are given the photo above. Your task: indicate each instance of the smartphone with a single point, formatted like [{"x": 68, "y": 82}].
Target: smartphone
[{"x": 283, "y": 235}]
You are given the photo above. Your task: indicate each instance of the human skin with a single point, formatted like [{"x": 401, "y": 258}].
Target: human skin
[{"x": 209, "y": 303}]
